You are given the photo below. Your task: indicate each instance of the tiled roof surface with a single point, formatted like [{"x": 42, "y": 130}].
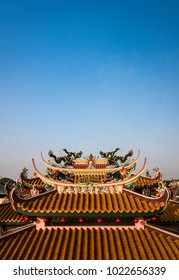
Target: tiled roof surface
[
  {"x": 8, "y": 215},
  {"x": 37, "y": 182},
  {"x": 89, "y": 243},
  {"x": 88, "y": 203},
  {"x": 141, "y": 181},
  {"x": 171, "y": 214}
]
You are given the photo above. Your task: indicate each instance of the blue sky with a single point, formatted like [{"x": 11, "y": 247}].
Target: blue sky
[{"x": 91, "y": 76}]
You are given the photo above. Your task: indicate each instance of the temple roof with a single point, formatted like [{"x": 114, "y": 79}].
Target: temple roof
[
  {"x": 60, "y": 176},
  {"x": 123, "y": 182},
  {"x": 9, "y": 216},
  {"x": 171, "y": 214},
  {"x": 98, "y": 244},
  {"x": 143, "y": 180},
  {"x": 36, "y": 182},
  {"x": 127, "y": 202},
  {"x": 83, "y": 163},
  {"x": 98, "y": 188}
]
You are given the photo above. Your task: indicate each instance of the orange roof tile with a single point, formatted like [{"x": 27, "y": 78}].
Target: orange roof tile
[
  {"x": 37, "y": 182},
  {"x": 142, "y": 180},
  {"x": 98, "y": 244},
  {"x": 171, "y": 213},
  {"x": 8, "y": 215},
  {"x": 89, "y": 203}
]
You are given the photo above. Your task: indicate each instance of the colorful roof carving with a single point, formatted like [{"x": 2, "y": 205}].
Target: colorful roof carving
[
  {"x": 51, "y": 181},
  {"x": 85, "y": 163},
  {"x": 71, "y": 159},
  {"x": 98, "y": 177}
]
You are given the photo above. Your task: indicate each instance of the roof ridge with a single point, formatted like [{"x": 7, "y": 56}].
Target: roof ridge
[
  {"x": 15, "y": 198},
  {"x": 162, "y": 231},
  {"x": 16, "y": 230},
  {"x": 174, "y": 201},
  {"x": 3, "y": 203},
  {"x": 163, "y": 198}
]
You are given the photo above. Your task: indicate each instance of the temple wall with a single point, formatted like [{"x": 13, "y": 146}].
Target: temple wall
[{"x": 40, "y": 224}]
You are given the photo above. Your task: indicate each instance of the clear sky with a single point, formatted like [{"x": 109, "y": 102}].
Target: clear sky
[{"x": 89, "y": 75}]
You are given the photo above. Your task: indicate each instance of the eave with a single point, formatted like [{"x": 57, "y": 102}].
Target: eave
[{"x": 127, "y": 203}]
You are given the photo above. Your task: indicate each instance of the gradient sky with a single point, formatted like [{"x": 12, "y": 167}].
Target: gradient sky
[{"x": 89, "y": 75}]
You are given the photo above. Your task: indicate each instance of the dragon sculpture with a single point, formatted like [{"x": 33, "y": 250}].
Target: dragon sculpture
[
  {"x": 24, "y": 174},
  {"x": 113, "y": 158},
  {"x": 67, "y": 159},
  {"x": 113, "y": 176},
  {"x": 58, "y": 175}
]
